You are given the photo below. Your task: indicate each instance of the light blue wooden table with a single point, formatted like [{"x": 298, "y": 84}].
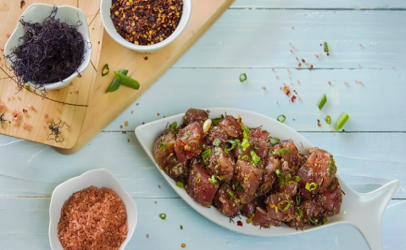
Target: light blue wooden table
[{"x": 367, "y": 40}]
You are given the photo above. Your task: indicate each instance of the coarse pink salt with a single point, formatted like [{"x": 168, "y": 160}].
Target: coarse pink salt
[
  {"x": 31, "y": 107},
  {"x": 27, "y": 126},
  {"x": 17, "y": 117},
  {"x": 3, "y": 107}
]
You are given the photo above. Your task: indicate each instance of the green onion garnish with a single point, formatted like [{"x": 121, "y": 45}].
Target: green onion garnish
[
  {"x": 245, "y": 157},
  {"x": 281, "y": 178},
  {"x": 127, "y": 80},
  {"x": 231, "y": 194},
  {"x": 276, "y": 139},
  {"x": 331, "y": 167},
  {"x": 328, "y": 119},
  {"x": 181, "y": 227},
  {"x": 325, "y": 220},
  {"x": 343, "y": 119},
  {"x": 271, "y": 151},
  {"x": 162, "y": 146},
  {"x": 205, "y": 154},
  {"x": 323, "y": 101},
  {"x": 255, "y": 158},
  {"x": 187, "y": 135},
  {"x": 233, "y": 145},
  {"x": 27, "y": 86},
  {"x": 105, "y": 70},
  {"x": 173, "y": 125},
  {"x": 162, "y": 216},
  {"x": 278, "y": 172},
  {"x": 326, "y": 47},
  {"x": 288, "y": 176},
  {"x": 179, "y": 184},
  {"x": 216, "y": 121},
  {"x": 246, "y": 132},
  {"x": 298, "y": 200},
  {"x": 243, "y": 77},
  {"x": 311, "y": 186},
  {"x": 245, "y": 144},
  {"x": 286, "y": 207},
  {"x": 238, "y": 186},
  {"x": 217, "y": 142},
  {"x": 281, "y": 118},
  {"x": 297, "y": 178},
  {"x": 299, "y": 212},
  {"x": 198, "y": 179},
  {"x": 291, "y": 182},
  {"x": 213, "y": 180},
  {"x": 313, "y": 221},
  {"x": 283, "y": 151}
]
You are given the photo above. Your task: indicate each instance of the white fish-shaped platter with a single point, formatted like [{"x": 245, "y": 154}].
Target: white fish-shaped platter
[{"x": 364, "y": 211}]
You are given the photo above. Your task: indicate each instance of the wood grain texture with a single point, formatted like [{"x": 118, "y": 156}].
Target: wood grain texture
[
  {"x": 365, "y": 161},
  {"x": 48, "y": 109},
  {"x": 103, "y": 108},
  {"x": 31, "y": 224}
]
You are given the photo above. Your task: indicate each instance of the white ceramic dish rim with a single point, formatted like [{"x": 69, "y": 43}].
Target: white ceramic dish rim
[
  {"x": 364, "y": 211},
  {"x": 64, "y": 190},
  {"x": 32, "y": 13},
  {"x": 105, "y": 6}
]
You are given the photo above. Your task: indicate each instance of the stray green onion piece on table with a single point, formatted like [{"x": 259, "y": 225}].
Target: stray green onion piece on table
[
  {"x": 323, "y": 101},
  {"x": 127, "y": 80},
  {"x": 105, "y": 70},
  {"x": 162, "y": 216},
  {"x": 328, "y": 119},
  {"x": 281, "y": 118},
  {"x": 115, "y": 84},
  {"x": 343, "y": 119},
  {"x": 243, "y": 77},
  {"x": 326, "y": 47}
]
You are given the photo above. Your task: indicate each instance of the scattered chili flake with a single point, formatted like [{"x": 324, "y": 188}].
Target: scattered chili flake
[
  {"x": 25, "y": 112},
  {"x": 143, "y": 122},
  {"x": 3, "y": 106},
  {"x": 293, "y": 98},
  {"x": 70, "y": 92},
  {"x": 294, "y": 119},
  {"x": 159, "y": 186},
  {"x": 19, "y": 98},
  {"x": 294, "y": 48},
  {"x": 2, "y": 48},
  {"x": 311, "y": 67},
  {"x": 164, "y": 116},
  {"x": 361, "y": 45},
  {"x": 239, "y": 223},
  {"x": 393, "y": 67},
  {"x": 273, "y": 69},
  {"x": 145, "y": 58},
  {"x": 16, "y": 117},
  {"x": 76, "y": 92},
  {"x": 22, "y": 3},
  {"x": 147, "y": 236},
  {"x": 298, "y": 81},
  {"x": 332, "y": 131},
  {"x": 71, "y": 84},
  {"x": 300, "y": 65},
  {"x": 288, "y": 70},
  {"x": 318, "y": 123},
  {"x": 157, "y": 114},
  {"x": 315, "y": 55},
  {"x": 303, "y": 60},
  {"x": 360, "y": 82},
  {"x": 293, "y": 28},
  {"x": 359, "y": 65},
  {"x": 321, "y": 44},
  {"x": 346, "y": 83},
  {"x": 277, "y": 103},
  {"x": 291, "y": 51},
  {"x": 329, "y": 83},
  {"x": 126, "y": 123},
  {"x": 155, "y": 202},
  {"x": 132, "y": 112},
  {"x": 264, "y": 88},
  {"x": 290, "y": 78},
  {"x": 297, "y": 59},
  {"x": 343, "y": 130},
  {"x": 137, "y": 104},
  {"x": 183, "y": 245},
  {"x": 121, "y": 126},
  {"x": 128, "y": 140},
  {"x": 27, "y": 126},
  {"x": 98, "y": 42},
  {"x": 277, "y": 77}
]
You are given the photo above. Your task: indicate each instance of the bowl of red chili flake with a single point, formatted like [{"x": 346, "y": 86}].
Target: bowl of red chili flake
[
  {"x": 91, "y": 211},
  {"x": 145, "y": 25}
]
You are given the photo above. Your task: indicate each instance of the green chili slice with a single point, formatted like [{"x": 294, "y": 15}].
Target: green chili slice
[
  {"x": 27, "y": 86},
  {"x": 286, "y": 207},
  {"x": 115, "y": 84},
  {"x": 343, "y": 119},
  {"x": 105, "y": 70},
  {"x": 323, "y": 101},
  {"x": 328, "y": 119},
  {"x": 198, "y": 179},
  {"x": 243, "y": 77},
  {"x": 127, "y": 80},
  {"x": 281, "y": 118}
]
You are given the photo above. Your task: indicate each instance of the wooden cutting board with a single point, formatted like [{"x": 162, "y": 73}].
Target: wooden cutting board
[
  {"x": 67, "y": 105},
  {"x": 104, "y": 108}
]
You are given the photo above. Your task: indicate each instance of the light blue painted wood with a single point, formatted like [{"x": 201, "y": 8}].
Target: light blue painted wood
[
  {"x": 365, "y": 161},
  {"x": 260, "y": 38},
  {"x": 320, "y": 4},
  {"x": 27, "y": 228},
  {"x": 372, "y": 106}
]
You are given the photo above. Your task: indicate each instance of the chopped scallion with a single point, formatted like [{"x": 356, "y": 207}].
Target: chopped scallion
[
  {"x": 311, "y": 186},
  {"x": 297, "y": 178},
  {"x": 238, "y": 186},
  {"x": 313, "y": 221},
  {"x": 245, "y": 144},
  {"x": 231, "y": 194},
  {"x": 213, "y": 180},
  {"x": 325, "y": 220},
  {"x": 187, "y": 135},
  {"x": 343, "y": 119},
  {"x": 286, "y": 206},
  {"x": 181, "y": 227},
  {"x": 276, "y": 139},
  {"x": 298, "y": 200},
  {"x": 284, "y": 151},
  {"x": 105, "y": 70},
  {"x": 233, "y": 145},
  {"x": 328, "y": 119},
  {"x": 216, "y": 121},
  {"x": 323, "y": 101},
  {"x": 243, "y": 77},
  {"x": 162, "y": 146},
  {"x": 217, "y": 142},
  {"x": 299, "y": 212},
  {"x": 162, "y": 216},
  {"x": 281, "y": 118},
  {"x": 173, "y": 125},
  {"x": 255, "y": 158},
  {"x": 198, "y": 179}
]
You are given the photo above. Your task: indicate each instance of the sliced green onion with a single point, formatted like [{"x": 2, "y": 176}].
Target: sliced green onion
[
  {"x": 343, "y": 119},
  {"x": 127, "y": 80},
  {"x": 245, "y": 157},
  {"x": 198, "y": 179},
  {"x": 297, "y": 178},
  {"x": 278, "y": 172},
  {"x": 243, "y": 77},
  {"x": 181, "y": 227},
  {"x": 27, "y": 86},
  {"x": 246, "y": 132},
  {"x": 217, "y": 142},
  {"x": 233, "y": 145},
  {"x": 173, "y": 125},
  {"x": 187, "y": 135},
  {"x": 179, "y": 184},
  {"x": 291, "y": 182},
  {"x": 311, "y": 186},
  {"x": 286, "y": 207},
  {"x": 205, "y": 154},
  {"x": 326, "y": 47},
  {"x": 328, "y": 119},
  {"x": 255, "y": 158},
  {"x": 105, "y": 70},
  {"x": 213, "y": 180},
  {"x": 271, "y": 151},
  {"x": 331, "y": 167},
  {"x": 231, "y": 194},
  {"x": 313, "y": 221},
  {"x": 252, "y": 215},
  {"x": 238, "y": 186},
  {"x": 216, "y": 121},
  {"x": 288, "y": 176},
  {"x": 325, "y": 220},
  {"x": 115, "y": 84},
  {"x": 162, "y": 216},
  {"x": 276, "y": 139},
  {"x": 323, "y": 101},
  {"x": 284, "y": 151},
  {"x": 299, "y": 212},
  {"x": 298, "y": 200},
  {"x": 162, "y": 146},
  {"x": 281, "y": 178},
  {"x": 281, "y": 118},
  {"x": 245, "y": 144}
]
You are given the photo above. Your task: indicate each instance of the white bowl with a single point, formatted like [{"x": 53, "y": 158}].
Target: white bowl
[
  {"x": 364, "y": 211},
  {"x": 98, "y": 178},
  {"x": 105, "y": 6},
  {"x": 37, "y": 13}
]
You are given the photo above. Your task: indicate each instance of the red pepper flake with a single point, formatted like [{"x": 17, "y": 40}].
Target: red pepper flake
[
  {"x": 315, "y": 55},
  {"x": 298, "y": 81},
  {"x": 360, "y": 82},
  {"x": 294, "y": 119},
  {"x": 343, "y": 130},
  {"x": 155, "y": 202},
  {"x": 76, "y": 92},
  {"x": 286, "y": 90},
  {"x": 145, "y": 58},
  {"x": 307, "y": 64},
  {"x": 311, "y": 67},
  {"x": 303, "y": 60},
  {"x": 128, "y": 140},
  {"x": 273, "y": 69},
  {"x": 137, "y": 104},
  {"x": 121, "y": 126},
  {"x": 277, "y": 77},
  {"x": 291, "y": 83},
  {"x": 132, "y": 112},
  {"x": 143, "y": 123},
  {"x": 126, "y": 123},
  {"x": 318, "y": 123},
  {"x": 2, "y": 48},
  {"x": 297, "y": 59},
  {"x": 27, "y": 126},
  {"x": 288, "y": 70},
  {"x": 19, "y": 98},
  {"x": 293, "y": 98},
  {"x": 293, "y": 28},
  {"x": 300, "y": 65},
  {"x": 290, "y": 78},
  {"x": 321, "y": 44},
  {"x": 71, "y": 84},
  {"x": 7, "y": 35},
  {"x": 239, "y": 223},
  {"x": 332, "y": 131},
  {"x": 277, "y": 103},
  {"x": 25, "y": 112},
  {"x": 264, "y": 88},
  {"x": 22, "y": 3},
  {"x": 294, "y": 48},
  {"x": 159, "y": 186},
  {"x": 291, "y": 51},
  {"x": 346, "y": 83},
  {"x": 361, "y": 45},
  {"x": 98, "y": 42},
  {"x": 290, "y": 44},
  {"x": 70, "y": 92},
  {"x": 328, "y": 54},
  {"x": 147, "y": 236},
  {"x": 359, "y": 65},
  {"x": 183, "y": 245},
  {"x": 329, "y": 83}
]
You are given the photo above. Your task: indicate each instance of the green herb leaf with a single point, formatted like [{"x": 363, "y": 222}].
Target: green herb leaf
[
  {"x": 231, "y": 194},
  {"x": 217, "y": 142},
  {"x": 328, "y": 119},
  {"x": 284, "y": 151},
  {"x": 213, "y": 179},
  {"x": 281, "y": 118},
  {"x": 331, "y": 167},
  {"x": 311, "y": 186},
  {"x": 179, "y": 184},
  {"x": 105, "y": 70},
  {"x": 216, "y": 121},
  {"x": 187, "y": 135},
  {"x": 243, "y": 77},
  {"x": 286, "y": 206},
  {"x": 323, "y": 101},
  {"x": 343, "y": 119},
  {"x": 173, "y": 125},
  {"x": 127, "y": 80},
  {"x": 238, "y": 186},
  {"x": 298, "y": 200}
]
